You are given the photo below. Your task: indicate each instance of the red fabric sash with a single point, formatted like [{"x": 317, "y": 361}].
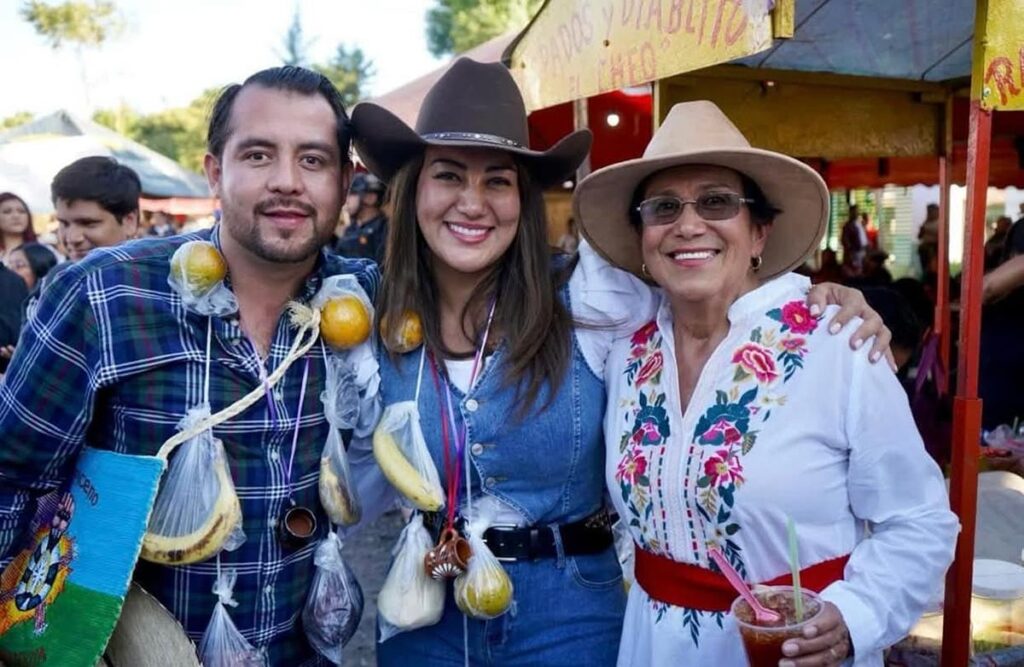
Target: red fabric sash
[{"x": 694, "y": 587}]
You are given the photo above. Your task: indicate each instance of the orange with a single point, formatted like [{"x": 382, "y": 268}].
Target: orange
[
  {"x": 198, "y": 266},
  {"x": 409, "y": 335},
  {"x": 344, "y": 322}
]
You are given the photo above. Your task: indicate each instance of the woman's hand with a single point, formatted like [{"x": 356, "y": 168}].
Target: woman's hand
[
  {"x": 826, "y": 642},
  {"x": 852, "y": 304}
]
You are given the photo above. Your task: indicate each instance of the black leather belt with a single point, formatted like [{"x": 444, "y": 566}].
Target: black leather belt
[{"x": 588, "y": 536}]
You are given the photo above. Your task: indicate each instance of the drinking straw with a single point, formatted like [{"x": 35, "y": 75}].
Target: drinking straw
[{"x": 794, "y": 566}]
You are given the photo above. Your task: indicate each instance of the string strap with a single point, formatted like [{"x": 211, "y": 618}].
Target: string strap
[{"x": 308, "y": 320}]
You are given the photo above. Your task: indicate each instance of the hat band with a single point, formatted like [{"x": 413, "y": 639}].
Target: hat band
[{"x": 492, "y": 139}]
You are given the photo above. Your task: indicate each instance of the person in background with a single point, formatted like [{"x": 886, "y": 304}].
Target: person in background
[
  {"x": 162, "y": 224},
  {"x": 97, "y": 204},
  {"x": 928, "y": 242},
  {"x": 830, "y": 271},
  {"x": 367, "y": 229},
  {"x": 855, "y": 243},
  {"x": 1002, "y": 321},
  {"x": 31, "y": 261},
  {"x": 13, "y": 293},
  {"x": 15, "y": 224},
  {"x": 570, "y": 241}
]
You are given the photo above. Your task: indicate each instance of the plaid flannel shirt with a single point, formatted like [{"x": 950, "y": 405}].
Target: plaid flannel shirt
[{"x": 112, "y": 359}]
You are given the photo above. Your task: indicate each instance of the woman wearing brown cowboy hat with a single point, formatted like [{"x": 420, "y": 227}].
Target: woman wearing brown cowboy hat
[
  {"x": 732, "y": 412},
  {"x": 508, "y": 388}
]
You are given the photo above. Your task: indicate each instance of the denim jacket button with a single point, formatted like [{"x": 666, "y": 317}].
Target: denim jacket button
[
  {"x": 472, "y": 405},
  {"x": 490, "y": 482},
  {"x": 477, "y": 449}
]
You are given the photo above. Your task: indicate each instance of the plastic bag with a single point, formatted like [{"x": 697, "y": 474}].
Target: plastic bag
[
  {"x": 403, "y": 457},
  {"x": 335, "y": 602},
  {"x": 337, "y": 492},
  {"x": 222, "y": 644},
  {"x": 484, "y": 590},
  {"x": 346, "y": 313},
  {"x": 341, "y": 393},
  {"x": 197, "y": 512},
  {"x": 409, "y": 598},
  {"x": 197, "y": 275}
]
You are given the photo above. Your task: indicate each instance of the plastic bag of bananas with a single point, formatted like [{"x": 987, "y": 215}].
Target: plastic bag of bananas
[
  {"x": 337, "y": 492},
  {"x": 410, "y": 598},
  {"x": 197, "y": 512},
  {"x": 335, "y": 602},
  {"x": 403, "y": 457}
]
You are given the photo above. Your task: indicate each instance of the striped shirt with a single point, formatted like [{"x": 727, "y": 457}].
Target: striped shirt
[{"x": 113, "y": 360}]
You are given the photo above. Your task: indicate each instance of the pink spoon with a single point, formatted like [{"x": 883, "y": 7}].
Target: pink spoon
[{"x": 761, "y": 613}]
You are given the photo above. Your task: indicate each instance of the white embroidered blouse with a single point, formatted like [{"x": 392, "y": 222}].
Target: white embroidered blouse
[{"x": 785, "y": 421}]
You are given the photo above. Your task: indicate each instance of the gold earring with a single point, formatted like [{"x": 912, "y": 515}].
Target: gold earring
[
  {"x": 644, "y": 271},
  {"x": 756, "y": 262}
]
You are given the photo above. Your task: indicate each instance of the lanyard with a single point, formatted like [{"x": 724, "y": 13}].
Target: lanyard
[{"x": 449, "y": 427}]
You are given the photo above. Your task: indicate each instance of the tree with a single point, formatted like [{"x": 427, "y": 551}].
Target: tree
[
  {"x": 80, "y": 25},
  {"x": 178, "y": 133},
  {"x": 455, "y": 26},
  {"x": 16, "y": 119},
  {"x": 296, "y": 48},
  {"x": 350, "y": 71}
]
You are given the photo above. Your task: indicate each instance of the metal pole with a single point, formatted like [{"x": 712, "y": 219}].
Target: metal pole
[
  {"x": 956, "y": 630},
  {"x": 942, "y": 324}
]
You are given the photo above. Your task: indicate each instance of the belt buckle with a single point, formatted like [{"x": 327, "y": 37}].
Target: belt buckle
[{"x": 506, "y": 526}]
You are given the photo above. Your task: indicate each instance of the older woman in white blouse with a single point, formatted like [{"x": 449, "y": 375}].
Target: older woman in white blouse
[{"x": 733, "y": 410}]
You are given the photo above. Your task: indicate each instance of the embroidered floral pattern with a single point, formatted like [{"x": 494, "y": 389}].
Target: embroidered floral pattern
[
  {"x": 647, "y": 427},
  {"x": 725, "y": 433}
]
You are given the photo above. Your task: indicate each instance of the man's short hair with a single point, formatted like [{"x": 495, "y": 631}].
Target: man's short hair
[
  {"x": 288, "y": 78},
  {"x": 104, "y": 180}
]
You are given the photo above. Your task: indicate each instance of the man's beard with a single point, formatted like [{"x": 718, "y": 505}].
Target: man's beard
[{"x": 250, "y": 238}]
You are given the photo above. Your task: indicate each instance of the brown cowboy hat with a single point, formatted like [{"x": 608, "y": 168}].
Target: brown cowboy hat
[
  {"x": 699, "y": 133},
  {"x": 472, "y": 104}
]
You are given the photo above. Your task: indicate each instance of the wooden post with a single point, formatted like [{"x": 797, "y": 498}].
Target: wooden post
[
  {"x": 956, "y": 629},
  {"x": 580, "y": 121}
]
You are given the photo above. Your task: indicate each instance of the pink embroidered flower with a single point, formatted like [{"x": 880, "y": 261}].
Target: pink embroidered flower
[
  {"x": 724, "y": 428},
  {"x": 724, "y": 468},
  {"x": 756, "y": 360},
  {"x": 650, "y": 368},
  {"x": 643, "y": 335},
  {"x": 794, "y": 344},
  {"x": 632, "y": 466},
  {"x": 797, "y": 316},
  {"x": 647, "y": 432}
]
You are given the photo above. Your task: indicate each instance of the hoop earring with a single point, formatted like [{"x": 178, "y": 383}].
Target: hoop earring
[
  {"x": 756, "y": 262},
  {"x": 644, "y": 271}
]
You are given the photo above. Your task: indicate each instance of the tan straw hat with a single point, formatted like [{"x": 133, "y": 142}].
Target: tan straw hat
[{"x": 699, "y": 133}]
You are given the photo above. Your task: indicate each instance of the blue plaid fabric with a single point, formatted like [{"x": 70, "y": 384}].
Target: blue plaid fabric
[{"x": 112, "y": 359}]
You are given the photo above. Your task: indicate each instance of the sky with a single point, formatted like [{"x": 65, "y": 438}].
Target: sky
[{"x": 172, "y": 50}]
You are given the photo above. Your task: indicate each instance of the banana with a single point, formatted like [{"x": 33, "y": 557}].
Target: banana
[
  {"x": 339, "y": 502},
  {"x": 402, "y": 475},
  {"x": 208, "y": 539}
]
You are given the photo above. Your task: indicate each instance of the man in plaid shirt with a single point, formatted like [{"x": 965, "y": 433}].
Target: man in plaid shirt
[{"x": 112, "y": 359}]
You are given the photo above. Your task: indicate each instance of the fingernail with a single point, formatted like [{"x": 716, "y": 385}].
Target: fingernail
[
  {"x": 790, "y": 648},
  {"x": 787, "y": 663},
  {"x": 895, "y": 368},
  {"x": 811, "y": 631},
  {"x": 857, "y": 343},
  {"x": 835, "y": 327},
  {"x": 875, "y": 356},
  {"x": 815, "y": 309}
]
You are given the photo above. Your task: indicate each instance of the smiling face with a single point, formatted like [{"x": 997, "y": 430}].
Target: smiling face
[
  {"x": 84, "y": 225},
  {"x": 281, "y": 178},
  {"x": 467, "y": 207},
  {"x": 694, "y": 259}
]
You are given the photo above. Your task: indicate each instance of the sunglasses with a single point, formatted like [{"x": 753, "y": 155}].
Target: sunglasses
[{"x": 666, "y": 209}]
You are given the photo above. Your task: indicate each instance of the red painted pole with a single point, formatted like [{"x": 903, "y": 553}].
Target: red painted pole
[
  {"x": 941, "y": 325},
  {"x": 956, "y": 630}
]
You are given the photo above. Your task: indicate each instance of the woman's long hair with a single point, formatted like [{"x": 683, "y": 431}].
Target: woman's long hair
[
  {"x": 529, "y": 319},
  {"x": 30, "y": 234}
]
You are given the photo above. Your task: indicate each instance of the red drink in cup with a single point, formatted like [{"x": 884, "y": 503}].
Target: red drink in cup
[{"x": 763, "y": 643}]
